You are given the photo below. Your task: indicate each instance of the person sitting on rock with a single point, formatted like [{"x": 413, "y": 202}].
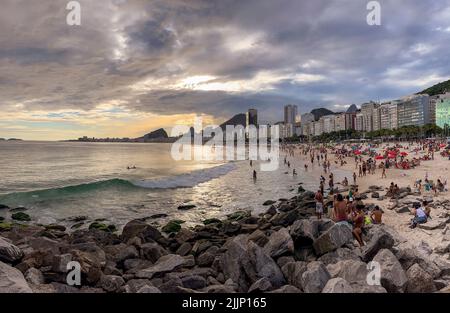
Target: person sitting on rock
[
  {"x": 420, "y": 215},
  {"x": 358, "y": 224},
  {"x": 376, "y": 215}
]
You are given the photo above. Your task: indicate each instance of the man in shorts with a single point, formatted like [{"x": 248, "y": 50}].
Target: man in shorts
[{"x": 319, "y": 204}]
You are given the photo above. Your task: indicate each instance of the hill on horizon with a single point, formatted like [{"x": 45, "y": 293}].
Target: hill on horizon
[
  {"x": 437, "y": 89},
  {"x": 318, "y": 113}
]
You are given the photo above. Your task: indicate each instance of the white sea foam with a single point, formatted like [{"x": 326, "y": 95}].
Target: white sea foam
[{"x": 187, "y": 180}]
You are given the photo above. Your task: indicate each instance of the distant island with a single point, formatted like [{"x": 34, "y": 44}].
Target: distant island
[
  {"x": 157, "y": 136},
  {"x": 10, "y": 139}
]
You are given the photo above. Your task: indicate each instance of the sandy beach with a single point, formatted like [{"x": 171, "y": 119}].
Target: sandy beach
[{"x": 433, "y": 169}]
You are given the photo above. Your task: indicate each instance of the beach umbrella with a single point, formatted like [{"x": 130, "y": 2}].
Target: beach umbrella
[
  {"x": 404, "y": 154},
  {"x": 379, "y": 157},
  {"x": 392, "y": 156},
  {"x": 357, "y": 152}
]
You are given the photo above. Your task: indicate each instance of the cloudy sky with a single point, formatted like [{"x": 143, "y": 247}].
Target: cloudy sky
[{"x": 137, "y": 65}]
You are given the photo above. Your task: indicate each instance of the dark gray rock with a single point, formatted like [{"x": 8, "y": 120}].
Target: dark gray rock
[
  {"x": 335, "y": 237},
  {"x": 245, "y": 262},
  {"x": 338, "y": 285},
  {"x": 111, "y": 283},
  {"x": 261, "y": 285},
  {"x": 286, "y": 289},
  {"x": 8, "y": 252},
  {"x": 393, "y": 277},
  {"x": 380, "y": 239},
  {"x": 315, "y": 277},
  {"x": 280, "y": 242},
  {"x": 12, "y": 280},
  {"x": 194, "y": 282},
  {"x": 152, "y": 251},
  {"x": 293, "y": 272},
  {"x": 419, "y": 281}
]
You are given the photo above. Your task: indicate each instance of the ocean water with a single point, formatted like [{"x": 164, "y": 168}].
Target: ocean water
[{"x": 59, "y": 180}]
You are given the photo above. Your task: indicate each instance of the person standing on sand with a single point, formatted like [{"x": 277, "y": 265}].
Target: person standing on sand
[
  {"x": 360, "y": 171},
  {"x": 319, "y": 204},
  {"x": 354, "y": 178},
  {"x": 383, "y": 174},
  {"x": 254, "y": 175}
]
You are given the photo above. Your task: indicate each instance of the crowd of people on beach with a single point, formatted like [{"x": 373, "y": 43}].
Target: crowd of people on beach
[{"x": 368, "y": 158}]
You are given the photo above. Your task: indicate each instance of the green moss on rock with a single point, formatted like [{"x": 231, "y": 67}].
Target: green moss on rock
[
  {"x": 212, "y": 221},
  {"x": 172, "y": 226},
  {"x": 5, "y": 226},
  {"x": 101, "y": 226},
  {"x": 21, "y": 216}
]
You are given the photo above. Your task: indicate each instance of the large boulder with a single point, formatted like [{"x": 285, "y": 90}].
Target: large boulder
[
  {"x": 261, "y": 285},
  {"x": 419, "y": 281},
  {"x": 304, "y": 232},
  {"x": 12, "y": 280},
  {"x": 111, "y": 283},
  {"x": 364, "y": 287},
  {"x": 337, "y": 285},
  {"x": 340, "y": 254},
  {"x": 138, "y": 228},
  {"x": 315, "y": 277},
  {"x": 285, "y": 218},
  {"x": 165, "y": 264},
  {"x": 293, "y": 272},
  {"x": 408, "y": 256},
  {"x": 286, "y": 289},
  {"x": 152, "y": 251},
  {"x": 245, "y": 262},
  {"x": 280, "y": 242},
  {"x": 8, "y": 252},
  {"x": 350, "y": 270},
  {"x": 338, "y": 235},
  {"x": 432, "y": 224},
  {"x": 381, "y": 239},
  {"x": 393, "y": 277}
]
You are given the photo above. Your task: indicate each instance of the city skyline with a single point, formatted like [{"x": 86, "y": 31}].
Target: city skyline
[{"x": 134, "y": 66}]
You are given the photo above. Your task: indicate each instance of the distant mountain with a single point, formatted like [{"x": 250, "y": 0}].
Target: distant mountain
[
  {"x": 238, "y": 119},
  {"x": 318, "y": 113},
  {"x": 437, "y": 89},
  {"x": 352, "y": 109},
  {"x": 154, "y": 135}
]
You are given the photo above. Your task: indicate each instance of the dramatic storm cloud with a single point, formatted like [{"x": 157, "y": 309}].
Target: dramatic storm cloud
[{"x": 135, "y": 65}]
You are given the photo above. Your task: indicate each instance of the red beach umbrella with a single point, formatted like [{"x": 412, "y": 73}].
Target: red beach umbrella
[
  {"x": 379, "y": 157},
  {"x": 404, "y": 154},
  {"x": 357, "y": 152}
]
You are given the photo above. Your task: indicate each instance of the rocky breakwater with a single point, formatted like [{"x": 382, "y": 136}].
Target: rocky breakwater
[{"x": 284, "y": 250}]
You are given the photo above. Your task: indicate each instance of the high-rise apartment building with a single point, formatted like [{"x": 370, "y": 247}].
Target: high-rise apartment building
[
  {"x": 252, "y": 117},
  {"x": 339, "y": 122},
  {"x": 443, "y": 111},
  {"x": 290, "y": 113},
  {"x": 414, "y": 111},
  {"x": 367, "y": 111}
]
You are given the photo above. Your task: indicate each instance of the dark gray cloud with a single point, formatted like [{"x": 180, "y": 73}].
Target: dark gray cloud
[{"x": 255, "y": 53}]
